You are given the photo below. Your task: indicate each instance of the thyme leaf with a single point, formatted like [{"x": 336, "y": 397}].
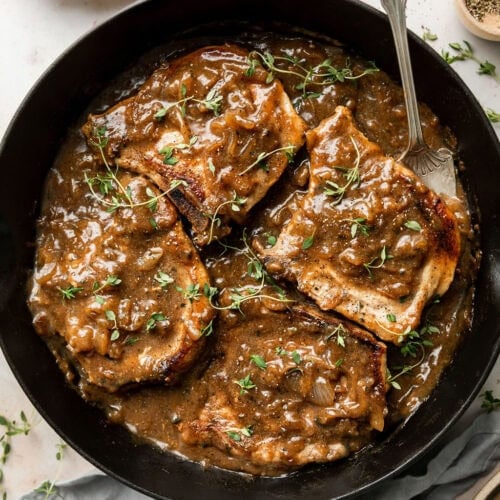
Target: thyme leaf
[
  {"x": 215, "y": 221},
  {"x": 351, "y": 175},
  {"x": 110, "y": 281},
  {"x": 163, "y": 279},
  {"x": 47, "y": 488},
  {"x": 466, "y": 52},
  {"x": 60, "y": 447},
  {"x": 115, "y": 333},
  {"x": 378, "y": 261},
  {"x": 69, "y": 292},
  {"x": 11, "y": 429},
  {"x": 359, "y": 224},
  {"x": 339, "y": 331},
  {"x": 414, "y": 347},
  {"x": 245, "y": 384},
  {"x": 191, "y": 292},
  {"x": 493, "y": 116},
  {"x": 489, "y": 402},
  {"x": 258, "y": 361},
  {"x": 289, "y": 152},
  {"x": 308, "y": 242},
  {"x": 297, "y": 359},
  {"x": 212, "y": 101},
  {"x": 271, "y": 239},
  {"x": 428, "y": 36},
  {"x": 413, "y": 225},
  {"x": 208, "y": 329},
  {"x": 322, "y": 74},
  {"x": 256, "y": 271},
  {"x": 112, "y": 193},
  {"x": 211, "y": 165},
  {"x": 237, "y": 434},
  {"x": 154, "y": 319}
]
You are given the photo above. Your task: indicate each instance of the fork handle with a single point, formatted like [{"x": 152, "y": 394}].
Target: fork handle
[{"x": 396, "y": 12}]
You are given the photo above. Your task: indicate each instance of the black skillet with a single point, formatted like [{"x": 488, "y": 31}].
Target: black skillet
[{"x": 28, "y": 151}]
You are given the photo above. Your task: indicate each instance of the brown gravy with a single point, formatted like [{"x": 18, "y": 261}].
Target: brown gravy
[{"x": 155, "y": 412}]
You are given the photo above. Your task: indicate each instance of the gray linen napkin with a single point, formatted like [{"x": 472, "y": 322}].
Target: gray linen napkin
[{"x": 452, "y": 471}]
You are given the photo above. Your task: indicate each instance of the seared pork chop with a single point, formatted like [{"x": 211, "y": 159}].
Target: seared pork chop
[
  {"x": 369, "y": 239},
  {"x": 121, "y": 291},
  {"x": 313, "y": 391},
  {"x": 212, "y": 120}
]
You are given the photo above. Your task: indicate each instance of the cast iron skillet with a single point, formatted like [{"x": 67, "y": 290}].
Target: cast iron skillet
[{"x": 28, "y": 151}]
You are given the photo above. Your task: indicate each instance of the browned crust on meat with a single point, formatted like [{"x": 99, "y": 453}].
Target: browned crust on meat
[
  {"x": 315, "y": 429},
  {"x": 255, "y": 117},
  {"x": 341, "y": 281},
  {"x": 140, "y": 354}
]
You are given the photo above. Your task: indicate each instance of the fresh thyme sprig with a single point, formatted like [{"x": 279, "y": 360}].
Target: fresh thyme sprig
[
  {"x": 110, "y": 185},
  {"x": 61, "y": 448},
  {"x": 49, "y": 489},
  {"x": 351, "y": 175},
  {"x": 378, "y": 261},
  {"x": 338, "y": 332},
  {"x": 322, "y": 74},
  {"x": 466, "y": 52},
  {"x": 163, "y": 279},
  {"x": 255, "y": 270},
  {"x": 294, "y": 355},
  {"x": 359, "y": 225},
  {"x": 168, "y": 151},
  {"x": 110, "y": 281},
  {"x": 192, "y": 292},
  {"x": 414, "y": 347},
  {"x": 212, "y": 102},
  {"x": 288, "y": 150},
  {"x": 159, "y": 115},
  {"x": 490, "y": 402},
  {"x": 428, "y": 36},
  {"x": 258, "y": 361},
  {"x": 70, "y": 291},
  {"x": 238, "y": 434},
  {"x": 245, "y": 384},
  {"x": 215, "y": 221},
  {"x": 115, "y": 333},
  {"x": 493, "y": 116},
  {"x": 208, "y": 329},
  {"x": 154, "y": 319},
  {"x": 10, "y": 429}
]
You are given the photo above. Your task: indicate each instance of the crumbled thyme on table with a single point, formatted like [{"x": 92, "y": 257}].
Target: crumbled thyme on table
[
  {"x": 466, "y": 52},
  {"x": 490, "y": 402},
  {"x": 11, "y": 428}
]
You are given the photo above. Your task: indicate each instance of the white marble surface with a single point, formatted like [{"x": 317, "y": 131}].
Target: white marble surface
[{"x": 32, "y": 34}]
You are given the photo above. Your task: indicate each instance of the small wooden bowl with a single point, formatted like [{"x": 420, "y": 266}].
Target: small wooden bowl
[{"x": 488, "y": 31}]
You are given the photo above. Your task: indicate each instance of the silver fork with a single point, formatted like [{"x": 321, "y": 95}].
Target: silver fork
[{"x": 435, "y": 168}]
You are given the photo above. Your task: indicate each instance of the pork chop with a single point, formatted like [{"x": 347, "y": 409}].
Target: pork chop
[
  {"x": 313, "y": 391},
  {"x": 121, "y": 292},
  {"x": 369, "y": 239},
  {"x": 213, "y": 120}
]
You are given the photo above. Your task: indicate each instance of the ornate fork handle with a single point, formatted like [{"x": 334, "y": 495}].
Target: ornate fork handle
[
  {"x": 396, "y": 11},
  {"x": 435, "y": 167}
]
